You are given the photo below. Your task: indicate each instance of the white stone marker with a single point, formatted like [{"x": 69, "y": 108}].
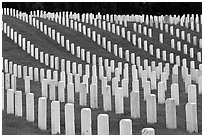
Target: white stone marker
[
  {"x": 151, "y": 109},
  {"x": 191, "y": 117},
  {"x": 18, "y": 103},
  {"x": 52, "y": 89},
  {"x": 44, "y": 86},
  {"x": 69, "y": 119},
  {"x": 125, "y": 87},
  {"x": 161, "y": 38},
  {"x": 119, "y": 102},
  {"x": 170, "y": 110},
  {"x": 175, "y": 92},
  {"x": 192, "y": 94},
  {"x": 61, "y": 96},
  {"x": 55, "y": 117},
  {"x": 42, "y": 113},
  {"x": 125, "y": 127},
  {"x": 82, "y": 94},
  {"x": 10, "y": 101},
  {"x": 27, "y": 84},
  {"x": 147, "y": 89},
  {"x": 103, "y": 124},
  {"x": 77, "y": 83},
  {"x": 135, "y": 104},
  {"x": 30, "y": 107},
  {"x": 70, "y": 93},
  {"x": 148, "y": 131},
  {"x": 93, "y": 96},
  {"x": 107, "y": 99},
  {"x": 86, "y": 123},
  {"x": 161, "y": 93},
  {"x": 13, "y": 82}
]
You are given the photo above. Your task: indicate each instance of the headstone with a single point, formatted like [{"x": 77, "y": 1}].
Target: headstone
[
  {"x": 147, "y": 89},
  {"x": 70, "y": 93},
  {"x": 55, "y": 117},
  {"x": 42, "y": 113},
  {"x": 18, "y": 103},
  {"x": 125, "y": 127},
  {"x": 170, "y": 110},
  {"x": 30, "y": 107},
  {"x": 61, "y": 91},
  {"x": 10, "y": 101},
  {"x": 93, "y": 96},
  {"x": 27, "y": 84},
  {"x": 148, "y": 131},
  {"x": 119, "y": 102},
  {"x": 107, "y": 98},
  {"x": 86, "y": 122},
  {"x": 135, "y": 104},
  {"x": 52, "y": 89},
  {"x": 103, "y": 124},
  {"x": 161, "y": 93},
  {"x": 192, "y": 94},
  {"x": 69, "y": 119},
  {"x": 151, "y": 109},
  {"x": 125, "y": 87},
  {"x": 191, "y": 117},
  {"x": 82, "y": 94},
  {"x": 175, "y": 92}
]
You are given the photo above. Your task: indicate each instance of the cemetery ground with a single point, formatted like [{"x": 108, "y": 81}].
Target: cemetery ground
[{"x": 15, "y": 125}]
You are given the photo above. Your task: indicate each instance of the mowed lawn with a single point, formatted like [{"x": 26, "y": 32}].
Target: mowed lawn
[{"x": 15, "y": 125}]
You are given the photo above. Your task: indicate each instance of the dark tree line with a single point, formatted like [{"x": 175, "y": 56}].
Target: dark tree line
[{"x": 153, "y": 8}]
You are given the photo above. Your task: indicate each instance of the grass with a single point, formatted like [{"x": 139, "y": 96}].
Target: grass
[{"x": 44, "y": 43}]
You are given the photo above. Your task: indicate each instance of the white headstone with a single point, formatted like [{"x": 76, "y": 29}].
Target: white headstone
[
  {"x": 151, "y": 109},
  {"x": 125, "y": 127},
  {"x": 30, "y": 107},
  {"x": 86, "y": 122},
  {"x": 135, "y": 104},
  {"x": 55, "y": 117},
  {"x": 42, "y": 113},
  {"x": 10, "y": 101},
  {"x": 191, "y": 117},
  {"x": 119, "y": 102},
  {"x": 69, "y": 119},
  {"x": 103, "y": 124},
  {"x": 170, "y": 110}
]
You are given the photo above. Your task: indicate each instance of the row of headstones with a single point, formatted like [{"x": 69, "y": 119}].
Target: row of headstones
[
  {"x": 111, "y": 18},
  {"x": 98, "y": 40},
  {"x": 54, "y": 61},
  {"x": 127, "y": 71},
  {"x": 161, "y": 38},
  {"x": 118, "y": 19},
  {"x": 169, "y": 19},
  {"x": 144, "y": 30},
  {"x": 151, "y": 47},
  {"x": 118, "y": 95},
  {"x": 149, "y": 33},
  {"x": 135, "y": 113},
  {"x": 111, "y": 63},
  {"x": 14, "y": 106},
  {"x": 143, "y": 74},
  {"x": 171, "y": 30},
  {"x": 98, "y": 37},
  {"x": 109, "y": 75},
  {"x": 133, "y": 61},
  {"x": 68, "y": 47}
]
